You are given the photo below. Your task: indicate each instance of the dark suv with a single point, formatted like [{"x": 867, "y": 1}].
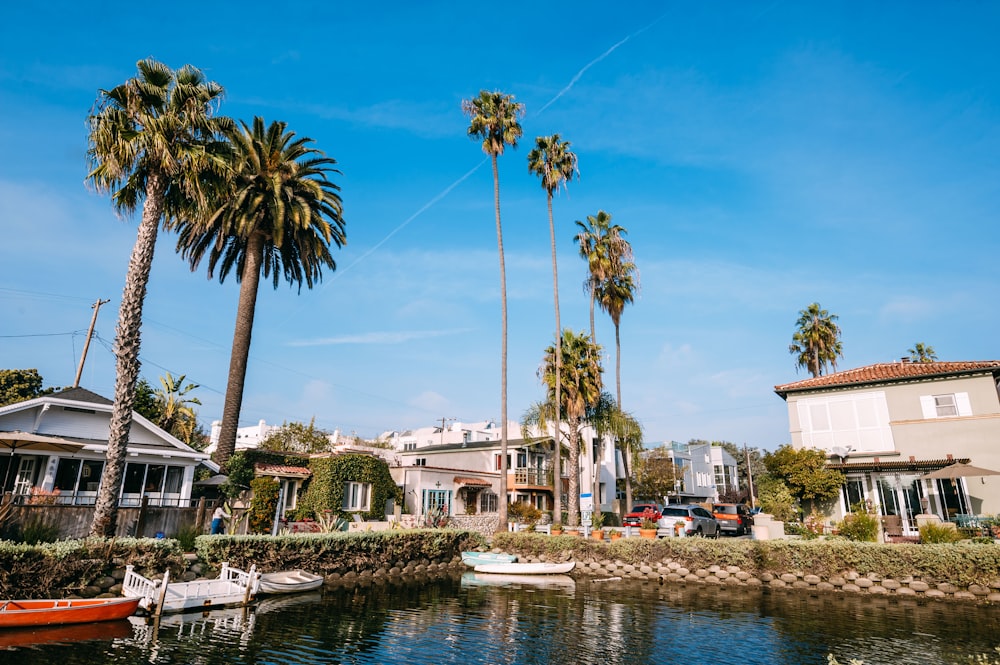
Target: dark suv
[{"x": 733, "y": 518}]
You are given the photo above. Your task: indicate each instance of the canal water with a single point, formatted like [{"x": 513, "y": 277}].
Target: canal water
[{"x": 475, "y": 619}]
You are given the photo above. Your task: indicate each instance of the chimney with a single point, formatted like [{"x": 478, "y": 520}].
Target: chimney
[
  {"x": 905, "y": 360},
  {"x": 950, "y": 457}
]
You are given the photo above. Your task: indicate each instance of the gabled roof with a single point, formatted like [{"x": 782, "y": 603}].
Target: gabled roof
[
  {"x": 897, "y": 372},
  {"x": 82, "y": 395}
]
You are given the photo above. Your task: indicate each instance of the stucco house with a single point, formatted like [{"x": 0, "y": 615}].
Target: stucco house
[
  {"x": 706, "y": 471},
  {"x": 888, "y": 425},
  {"x": 54, "y": 447},
  {"x": 462, "y": 475}
]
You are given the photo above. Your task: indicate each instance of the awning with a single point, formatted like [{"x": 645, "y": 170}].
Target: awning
[
  {"x": 41, "y": 443},
  {"x": 913, "y": 465},
  {"x": 472, "y": 482}
]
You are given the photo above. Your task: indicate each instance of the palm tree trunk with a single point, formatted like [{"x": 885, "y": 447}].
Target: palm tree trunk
[
  {"x": 556, "y": 476},
  {"x": 127, "y": 342},
  {"x": 249, "y": 282},
  {"x": 593, "y": 331},
  {"x": 618, "y": 394},
  {"x": 502, "y": 508},
  {"x": 573, "y": 518}
]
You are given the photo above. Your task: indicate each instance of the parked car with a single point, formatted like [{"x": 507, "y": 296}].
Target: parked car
[
  {"x": 635, "y": 517},
  {"x": 733, "y": 518},
  {"x": 692, "y": 519}
]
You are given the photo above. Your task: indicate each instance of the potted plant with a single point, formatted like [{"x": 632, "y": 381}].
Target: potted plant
[
  {"x": 557, "y": 528},
  {"x": 597, "y": 520},
  {"x": 649, "y": 525}
]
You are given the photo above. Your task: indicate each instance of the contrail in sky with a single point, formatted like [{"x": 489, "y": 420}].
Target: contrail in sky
[
  {"x": 593, "y": 62},
  {"x": 447, "y": 190}
]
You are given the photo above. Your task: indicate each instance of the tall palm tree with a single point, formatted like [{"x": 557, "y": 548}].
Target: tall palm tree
[
  {"x": 604, "y": 247},
  {"x": 151, "y": 142},
  {"x": 817, "y": 340},
  {"x": 616, "y": 291},
  {"x": 581, "y": 381},
  {"x": 174, "y": 405},
  {"x": 922, "y": 353},
  {"x": 556, "y": 165},
  {"x": 278, "y": 214},
  {"x": 493, "y": 117}
]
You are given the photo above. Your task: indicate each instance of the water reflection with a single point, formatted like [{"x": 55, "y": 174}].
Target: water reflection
[{"x": 468, "y": 619}]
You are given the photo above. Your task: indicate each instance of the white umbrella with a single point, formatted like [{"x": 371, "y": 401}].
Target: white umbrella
[
  {"x": 959, "y": 470},
  {"x": 41, "y": 443}
]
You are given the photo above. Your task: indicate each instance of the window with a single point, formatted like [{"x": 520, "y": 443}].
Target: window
[
  {"x": 357, "y": 496},
  {"x": 488, "y": 502},
  {"x": 496, "y": 460},
  {"x": 90, "y": 476},
  {"x": 856, "y": 420},
  {"x": 947, "y": 405},
  {"x": 66, "y": 475},
  {"x": 410, "y": 445},
  {"x": 522, "y": 460},
  {"x": 175, "y": 477},
  {"x": 154, "y": 478},
  {"x": 132, "y": 482},
  {"x": 420, "y": 461}
]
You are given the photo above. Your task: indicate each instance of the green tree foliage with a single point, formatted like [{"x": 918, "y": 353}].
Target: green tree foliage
[
  {"x": 862, "y": 524},
  {"x": 656, "y": 473},
  {"x": 296, "y": 437},
  {"x": 804, "y": 472},
  {"x": 146, "y": 404},
  {"x": 174, "y": 404},
  {"x": 18, "y": 385},
  {"x": 774, "y": 498},
  {"x": 816, "y": 342},
  {"x": 264, "y": 505},
  {"x": 922, "y": 353},
  {"x": 756, "y": 466}
]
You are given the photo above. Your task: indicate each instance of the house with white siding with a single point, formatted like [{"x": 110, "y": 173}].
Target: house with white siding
[{"x": 53, "y": 448}]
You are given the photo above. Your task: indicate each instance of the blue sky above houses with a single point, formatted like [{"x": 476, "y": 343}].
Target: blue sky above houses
[{"x": 763, "y": 156}]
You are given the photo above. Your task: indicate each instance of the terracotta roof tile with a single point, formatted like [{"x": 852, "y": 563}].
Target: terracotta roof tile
[
  {"x": 462, "y": 480},
  {"x": 889, "y": 372},
  {"x": 280, "y": 470}
]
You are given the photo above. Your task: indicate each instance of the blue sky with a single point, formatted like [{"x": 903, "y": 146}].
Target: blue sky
[{"x": 762, "y": 156}]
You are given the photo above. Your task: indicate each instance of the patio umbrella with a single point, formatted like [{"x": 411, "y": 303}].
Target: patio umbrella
[
  {"x": 214, "y": 481},
  {"x": 41, "y": 443},
  {"x": 959, "y": 470}
]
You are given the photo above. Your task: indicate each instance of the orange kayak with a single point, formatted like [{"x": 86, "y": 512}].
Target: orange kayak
[{"x": 21, "y": 613}]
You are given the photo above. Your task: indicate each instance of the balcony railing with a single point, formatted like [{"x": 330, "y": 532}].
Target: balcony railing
[{"x": 538, "y": 477}]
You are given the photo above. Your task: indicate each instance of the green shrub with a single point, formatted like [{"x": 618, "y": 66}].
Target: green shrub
[
  {"x": 939, "y": 533},
  {"x": 37, "y": 531},
  {"x": 861, "y": 525},
  {"x": 185, "y": 537},
  {"x": 523, "y": 512}
]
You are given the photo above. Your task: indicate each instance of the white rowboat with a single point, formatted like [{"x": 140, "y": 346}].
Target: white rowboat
[
  {"x": 289, "y": 581},
  {"x": 526, "y": 568}
]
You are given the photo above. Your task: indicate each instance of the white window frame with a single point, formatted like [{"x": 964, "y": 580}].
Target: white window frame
[
  {"x": 357, "y": 497},
  {"x": 489, "y": 502},
  {"x": 945, "y": 405}
]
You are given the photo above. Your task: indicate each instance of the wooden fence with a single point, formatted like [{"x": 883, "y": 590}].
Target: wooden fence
[{"x": 144, "y": 521}]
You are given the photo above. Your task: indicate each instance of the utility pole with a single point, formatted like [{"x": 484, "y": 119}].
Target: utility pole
[
  {"x": 746, "y": 454},
  {"x": 86, "y": 345}
]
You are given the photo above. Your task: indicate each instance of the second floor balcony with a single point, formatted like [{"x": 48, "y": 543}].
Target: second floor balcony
[{"x": 531, "y": 477}]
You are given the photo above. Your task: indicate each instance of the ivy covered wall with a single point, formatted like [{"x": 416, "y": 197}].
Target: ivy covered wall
[{"x": 325, "y": 490}]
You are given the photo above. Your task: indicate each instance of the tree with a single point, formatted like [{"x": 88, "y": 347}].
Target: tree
[
  {"x": 804, "y": 472},
  {"x": 612, "y": 294},
  {"x": 18, "y": 385},
  {"x": 604, "y": 247},
  {"x": 493, "y": 117},
  {"x": 174, "y": 407},
  {"x": 145, "y": 401},
  {"x": 656, "y": 474},
  {"x": 922, "y": 353},
  {"x": 152, "y": 141},
  {"x": 756, "y": 463},
  {"x": 277, "y": 214},
  {"x": 556, "y": 165},
  {"x": 817, "y": 340},
  {"x": 581, "y": 391},
  {"x": 296, "y": 437},
  {"x": 609, "y": 419}
]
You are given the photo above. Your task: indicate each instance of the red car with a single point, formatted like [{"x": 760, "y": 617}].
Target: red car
[{"x": 635, "y": 517}]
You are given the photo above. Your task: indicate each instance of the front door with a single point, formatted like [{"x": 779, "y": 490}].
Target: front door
[{"x": 25, "y": 476}]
